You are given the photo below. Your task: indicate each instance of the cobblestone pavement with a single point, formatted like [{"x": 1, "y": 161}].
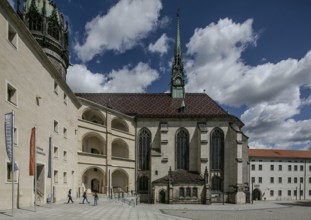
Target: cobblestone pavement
[{"x": 115, "y": 210}]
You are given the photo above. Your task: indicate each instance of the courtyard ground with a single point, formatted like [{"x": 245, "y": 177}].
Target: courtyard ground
[{"x": 116, "y": 210}]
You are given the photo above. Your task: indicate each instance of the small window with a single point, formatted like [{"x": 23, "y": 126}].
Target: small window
[
  {"x": 295, "y": 192},
  {"x": 253, "y": 166},
  {"x": 289, "y": 167},
  {"x": 271, "y": 167},
  {"x": 65, "y": 132},
  {"x": 65, "y": 177},
  {"x": 65, "y": 155},
  {"x": 309, "y": 168},
  {"x": 295, "y": 168},
  {"x": 55, "y": 152},
  {"x": 253, "y": 179},
  {"x": 271, "y": 179},
  {"x": 280, "y": 167},
  {"x": 56, "y": 88},
  {"x": 11, "y": 94},
  {"x": 301, "y": 179},
  {"x": 259, "y": 179},
  {"x": 260, "y": 167},
  {"x": 289, "y": 193},
  {"x": 289, "y": 180},
  {"x": 9, "y": 173},
  {"x": 301, "y": 167},
  {"x": 309, "y": 192},
  {"x": 56, "y": 126},
  {"x": 280, "y": 193},
  {"x": 295, "y": 180},
  {"x": 280, "y": 179},
  {"x": 271, "y": 193},
  {"x": 55, "y": 176},
  {"x": 309, "y": 179},
  {"x": 12, "y": 36},
  {"x": 181, "y": 192},
  {"x": 301, "y": 192}
]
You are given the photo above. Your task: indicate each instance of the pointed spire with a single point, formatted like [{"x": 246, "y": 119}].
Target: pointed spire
[
  {"x": 177, "y": 79},
  {"x": 177, "y": 43}
]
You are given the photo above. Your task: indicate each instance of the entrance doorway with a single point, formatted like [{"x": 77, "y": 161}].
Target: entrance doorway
[
  {"x": 95, "y": 185},
  {"x": 40, "y": 182},
  {"x": 162, "y": 196},
  {"x": 256, "y": 194}
]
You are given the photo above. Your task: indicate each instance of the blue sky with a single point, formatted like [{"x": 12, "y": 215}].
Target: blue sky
[{"x": 252, "y": 57}]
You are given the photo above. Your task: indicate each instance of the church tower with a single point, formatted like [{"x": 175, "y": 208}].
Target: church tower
[
  {"x": 47, "y": 26},
  {"x": 177, "y": 80}
]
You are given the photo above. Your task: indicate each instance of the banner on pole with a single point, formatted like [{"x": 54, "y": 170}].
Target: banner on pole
[
  {"x": 9, "y": 134},
  {"x": 50, "y": 158},
  {"x": 32, "y": 152}
]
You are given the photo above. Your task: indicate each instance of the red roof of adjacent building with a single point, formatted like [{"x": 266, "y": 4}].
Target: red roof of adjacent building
[
  {"x": 279, "y": 153},
  {"x": 159, "y": 105}
]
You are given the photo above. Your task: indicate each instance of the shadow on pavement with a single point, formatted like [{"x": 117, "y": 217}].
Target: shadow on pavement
[{"x": 298, "y": 203}]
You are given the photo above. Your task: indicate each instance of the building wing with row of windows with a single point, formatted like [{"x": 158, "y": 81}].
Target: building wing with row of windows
[{"x": 280, "y": 174}]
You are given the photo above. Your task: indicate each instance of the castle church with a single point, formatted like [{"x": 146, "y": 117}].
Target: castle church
[{"x": 169, "y": 148}]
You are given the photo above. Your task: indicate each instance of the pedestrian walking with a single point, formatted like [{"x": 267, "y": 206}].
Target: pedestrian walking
[
  {"x": 69, "y": 196},
  {"x": 95, "y": 198},
  {"x": 85, "y": 197}
]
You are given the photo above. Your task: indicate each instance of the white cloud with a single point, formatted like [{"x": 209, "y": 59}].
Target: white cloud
[
  {"x": 160, "y": 46},
  {"x": 127, "y": 79},
  {"x": 271, "y": 91},
  {"x": 125, "y": 24}
]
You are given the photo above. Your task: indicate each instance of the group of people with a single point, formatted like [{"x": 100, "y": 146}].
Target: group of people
[{"x": 84, "y": 197}]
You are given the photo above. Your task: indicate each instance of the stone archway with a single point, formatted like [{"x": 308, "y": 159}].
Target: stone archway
[
  {"x": 256, "y": 194},
  {"x": 94, "y": 179},
  {"x": 119, "y": 181}
]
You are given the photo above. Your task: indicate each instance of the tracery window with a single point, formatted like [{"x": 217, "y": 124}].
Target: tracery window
[
  {"x": 182, "y": 150},
  {"x": 53, "y": 29},
  {"x": 216, "y": 184},
  {"x": 144, "y": 149},
  {"x": 194, "y": 192},
  {"x": 217, "y": 149},
  {"x": 35, "y": 23},
  {"x": 188, "y": 192},
  {"x": 143, "y": 184}
]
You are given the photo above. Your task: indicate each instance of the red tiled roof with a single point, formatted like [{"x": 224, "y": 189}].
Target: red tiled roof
[
  {"x": 158, "y": 105},
  {"x": 279, "y": 153}
]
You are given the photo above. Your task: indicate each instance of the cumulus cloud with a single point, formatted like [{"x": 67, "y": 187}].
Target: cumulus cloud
[
  {"x": 271, "y": 91},
  {"x": 127, "y": 79},
  {"x": 160, "y": 46},
  {"x": 108, "y": 32}
]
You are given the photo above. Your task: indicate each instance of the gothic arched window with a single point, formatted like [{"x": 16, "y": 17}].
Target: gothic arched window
[
  {"x": 144, "y": 149},
  {"x": 35, "y": 22},
  {"x": 182, "y": 150},
  {"x": 216, "y": 184},
  {"x": 143, "y": 184},
  {"x": 53, "y": 29},
  {"x": 217, "y": 149}
]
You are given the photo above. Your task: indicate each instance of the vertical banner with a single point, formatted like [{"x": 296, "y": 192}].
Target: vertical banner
[
  {"x": 50, "y": 158},
  {"x": 32, "y": 152},
  {"x": 9, "y": 135}
]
